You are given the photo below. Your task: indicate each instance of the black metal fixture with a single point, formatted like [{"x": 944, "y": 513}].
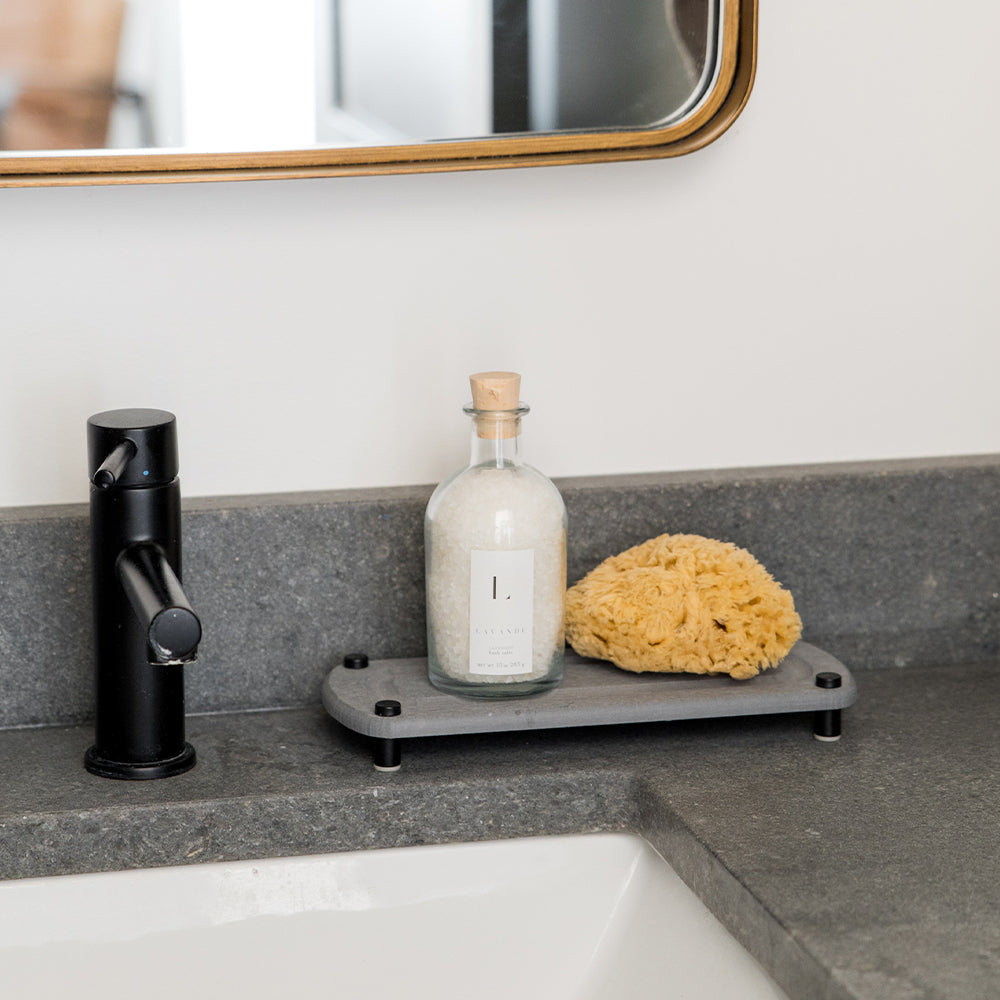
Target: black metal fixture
[{"x": 144, "y": 627}]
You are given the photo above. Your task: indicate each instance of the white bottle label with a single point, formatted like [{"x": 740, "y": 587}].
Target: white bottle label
[{"x": 501, "y": 604}]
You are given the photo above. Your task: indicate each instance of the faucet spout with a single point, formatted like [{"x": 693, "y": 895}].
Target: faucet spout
[{"x": 173, "y": 630}]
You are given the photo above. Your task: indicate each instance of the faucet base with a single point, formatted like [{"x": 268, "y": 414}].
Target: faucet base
[{"x": 104, "y": 768}]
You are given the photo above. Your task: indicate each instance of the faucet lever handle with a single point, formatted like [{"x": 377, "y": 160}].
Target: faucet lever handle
[
  {"x": 110, "y": 470},
  {"x": 132, "y": 448}
]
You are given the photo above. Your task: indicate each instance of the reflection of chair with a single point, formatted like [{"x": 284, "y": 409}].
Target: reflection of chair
[{"x": 61, "y": 56}]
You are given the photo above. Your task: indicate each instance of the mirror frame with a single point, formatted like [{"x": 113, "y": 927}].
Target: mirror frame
[{"x": 717, "y": 111}]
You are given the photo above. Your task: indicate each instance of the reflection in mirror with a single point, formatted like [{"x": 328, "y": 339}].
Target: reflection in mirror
[{"x": 255, "y": 75}]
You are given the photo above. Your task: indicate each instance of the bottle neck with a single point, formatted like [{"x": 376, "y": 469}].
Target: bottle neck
[{"x": 496, "y": 437}]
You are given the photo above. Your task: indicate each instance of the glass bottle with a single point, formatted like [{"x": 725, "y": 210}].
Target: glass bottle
[{"x": 495, "y": 541}]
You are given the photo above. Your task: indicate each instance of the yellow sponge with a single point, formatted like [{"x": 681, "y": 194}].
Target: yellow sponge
[{"x": 683, "y": 603}]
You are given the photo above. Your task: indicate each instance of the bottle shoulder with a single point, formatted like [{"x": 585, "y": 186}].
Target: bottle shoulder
[{"x": 483, "y": 492}]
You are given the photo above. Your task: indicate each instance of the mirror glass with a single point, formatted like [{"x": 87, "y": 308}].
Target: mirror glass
[{"x": 218, "y": 76}]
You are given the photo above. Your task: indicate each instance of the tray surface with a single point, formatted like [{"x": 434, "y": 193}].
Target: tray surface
[{"x": 593, "y": 693}]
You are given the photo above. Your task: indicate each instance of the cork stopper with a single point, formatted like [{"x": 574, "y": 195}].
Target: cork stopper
[
  {"x": 496, "y": 396},
  {"x": 495, "y": 390}
]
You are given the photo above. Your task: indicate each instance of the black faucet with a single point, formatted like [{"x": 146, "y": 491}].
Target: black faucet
[{"x": 144, "y": 628}]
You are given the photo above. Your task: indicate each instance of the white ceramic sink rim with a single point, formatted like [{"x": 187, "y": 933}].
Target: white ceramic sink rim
[{"x": 578, "y": 917}]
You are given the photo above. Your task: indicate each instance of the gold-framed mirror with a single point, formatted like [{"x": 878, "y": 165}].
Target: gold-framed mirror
[{"x": 552, "y": 81}]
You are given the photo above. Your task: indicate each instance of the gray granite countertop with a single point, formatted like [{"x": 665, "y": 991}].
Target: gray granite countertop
[{"x": 866, "y": 868}]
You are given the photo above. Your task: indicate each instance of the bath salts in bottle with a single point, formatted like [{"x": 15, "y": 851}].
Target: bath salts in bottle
[{"x": 495, "y": 538}]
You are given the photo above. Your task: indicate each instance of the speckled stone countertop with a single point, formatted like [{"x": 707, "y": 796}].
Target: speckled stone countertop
[
  {"x": 866, "y": 868},
  {"x": 892, "y": 564}
]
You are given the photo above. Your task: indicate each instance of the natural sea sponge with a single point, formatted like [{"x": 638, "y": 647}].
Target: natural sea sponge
[{"x": 683, "y": 603}]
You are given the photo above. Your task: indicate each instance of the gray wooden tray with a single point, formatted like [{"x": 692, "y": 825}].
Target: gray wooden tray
[{"x": 593, "y": 693}]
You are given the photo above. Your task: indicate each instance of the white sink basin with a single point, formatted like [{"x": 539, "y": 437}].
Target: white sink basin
[{"x": 551, "y": 918}]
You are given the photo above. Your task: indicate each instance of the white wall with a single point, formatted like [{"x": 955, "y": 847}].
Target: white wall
[{"x": 818, "y": 285}]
